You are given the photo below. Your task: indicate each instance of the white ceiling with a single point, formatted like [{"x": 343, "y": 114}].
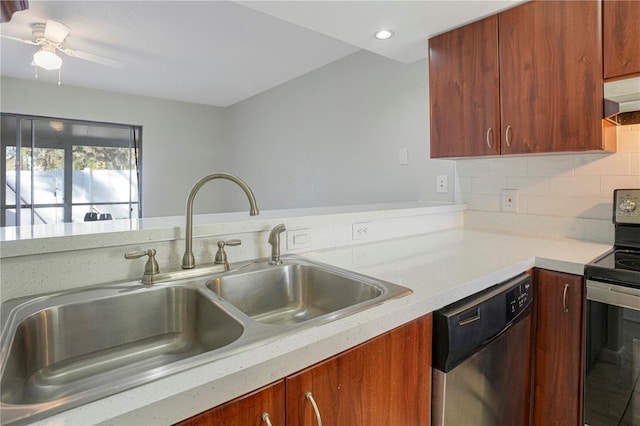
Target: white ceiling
[{"x": 221, "y": 52}]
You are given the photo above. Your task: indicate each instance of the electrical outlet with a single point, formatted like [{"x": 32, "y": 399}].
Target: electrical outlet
[
  {"x": 442, "y": 184},
  {"x": 510, "y": 200},
  {"x": 360, "y": 231},
  {"x": 298, "y": 239}
]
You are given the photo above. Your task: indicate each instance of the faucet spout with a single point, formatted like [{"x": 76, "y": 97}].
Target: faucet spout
[
  {"x": 274, "y": 240},
  {"x": 188, "y": 259}
]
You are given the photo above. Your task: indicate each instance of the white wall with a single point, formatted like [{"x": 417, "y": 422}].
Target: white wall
[
  {"x": 575, "y": 185},
  {"x": 332, "y": 136},
  {"x": 181, "y": 141}
]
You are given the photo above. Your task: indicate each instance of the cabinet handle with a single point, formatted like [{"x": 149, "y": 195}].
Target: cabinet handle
[
  {"x": 489, "y": 138},
  {"x": 265, "y": 418},
  {"x": 506, "y": 136},
  {"x": 315, "y": 407},
  {"x": 564, "y": 298}
]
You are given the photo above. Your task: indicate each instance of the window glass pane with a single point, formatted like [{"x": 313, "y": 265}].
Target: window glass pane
[
  {"x": 103, "y": 185},
  {"x": 48, "y": 176},
  {"x": 10, "y": 175},
  {"x": 117, "y": 211},
  {"x": 47, "y": 215},
  {"x": 25, "y": 165},
  {"x": 25, "y": 215},
  {"x": 10, "y": 217},
  {"x": 47, "y": 162}
]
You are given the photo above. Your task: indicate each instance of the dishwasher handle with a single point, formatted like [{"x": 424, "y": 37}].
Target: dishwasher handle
[
  {"x": 465, "y": 327},
  {"x": 472, "y": 315}
]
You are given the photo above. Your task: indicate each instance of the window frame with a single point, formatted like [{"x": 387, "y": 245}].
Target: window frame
[{"x": 135, "y": 144}]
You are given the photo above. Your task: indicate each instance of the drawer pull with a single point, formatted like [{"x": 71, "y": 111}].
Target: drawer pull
[
  {"x": 265, "y": 418},
  {"x": 564, "y": 298},
  {"x": 309, "y": 396}
]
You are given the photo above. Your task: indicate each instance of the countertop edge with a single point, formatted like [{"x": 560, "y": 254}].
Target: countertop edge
[{"x": 183, "y": 395}]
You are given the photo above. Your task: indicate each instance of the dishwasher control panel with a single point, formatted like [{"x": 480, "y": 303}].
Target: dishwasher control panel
[
  {"x": 466, "y": 326},
  {"x": 517, "y": 299}
]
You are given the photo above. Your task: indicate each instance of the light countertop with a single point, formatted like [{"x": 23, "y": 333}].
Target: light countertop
[
  {"x": 51, "y": 238},
  {"x": 440, "y": 267}
]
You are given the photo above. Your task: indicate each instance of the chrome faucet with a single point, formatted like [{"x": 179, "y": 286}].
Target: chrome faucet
[
  {"x": 274, "y": 240},
  {"x": 188, "y": 259}
]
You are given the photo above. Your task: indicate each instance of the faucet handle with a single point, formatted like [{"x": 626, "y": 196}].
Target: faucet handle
[
  {"x": 234, "y": 242},
  {"x": 221, "y": 255},
  {"x": 150, "y": 268}
]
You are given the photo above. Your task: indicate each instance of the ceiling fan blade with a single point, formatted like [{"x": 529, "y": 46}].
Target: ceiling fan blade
[
  {"x": 93, "y": 58},
  {"x": 55, "y": 31},
  {"x": 21, "y": 40}
]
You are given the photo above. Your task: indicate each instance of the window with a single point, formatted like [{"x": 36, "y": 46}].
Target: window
[{"x": 58, "y": 170}]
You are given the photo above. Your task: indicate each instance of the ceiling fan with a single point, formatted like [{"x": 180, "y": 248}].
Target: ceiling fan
[{"x": 51, "y": 38}]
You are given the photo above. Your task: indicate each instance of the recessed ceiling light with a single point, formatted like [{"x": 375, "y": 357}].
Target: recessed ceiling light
[{"x": 383, "y": 34}]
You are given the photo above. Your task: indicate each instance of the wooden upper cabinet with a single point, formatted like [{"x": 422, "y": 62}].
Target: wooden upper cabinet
[
  {"x": 463, "y": 87},
  {"x": 528, "y": 80},
  {"x": 551, "y": 77},
  {"x": 621, "y": 38}
]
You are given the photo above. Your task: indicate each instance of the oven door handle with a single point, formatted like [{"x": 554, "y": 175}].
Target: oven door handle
[
  {"x": 625, "y": 290},
  {"x": 611, "y": 294}
]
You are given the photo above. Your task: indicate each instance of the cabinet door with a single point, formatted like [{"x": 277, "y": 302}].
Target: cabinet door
[
  {"x": 463, "y": 88},
  {"x": 551, "y": 77},
  {"x": 384, "y": 381},
  {"x": 247, "y": 410},
  {"x": 558, "y": 381},
  {"x": 621, "y": 37}
]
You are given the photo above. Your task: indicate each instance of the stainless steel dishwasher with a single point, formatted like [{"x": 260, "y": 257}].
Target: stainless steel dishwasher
[{"x": 482, "y": 357}]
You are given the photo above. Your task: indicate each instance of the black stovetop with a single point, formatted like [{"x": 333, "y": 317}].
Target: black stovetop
[{"x": 621, "y": 265}]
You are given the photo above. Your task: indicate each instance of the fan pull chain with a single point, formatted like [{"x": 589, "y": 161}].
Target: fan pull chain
[
  {"x": 59, "y": 75},
  {"x": 36, "y": 71}
]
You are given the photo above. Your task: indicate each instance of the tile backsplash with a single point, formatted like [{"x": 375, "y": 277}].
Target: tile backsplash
[{"x": 568, "y": 185}]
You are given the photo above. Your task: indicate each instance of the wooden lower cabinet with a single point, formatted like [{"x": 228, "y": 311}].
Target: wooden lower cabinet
[
  {"x": 559, "y": 367},
  {"x": 248, "y": 410},
  {"x": 384, "y": 381}
]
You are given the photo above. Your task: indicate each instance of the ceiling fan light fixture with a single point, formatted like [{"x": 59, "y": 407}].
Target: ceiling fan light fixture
[{"x": 46, "y": 58}]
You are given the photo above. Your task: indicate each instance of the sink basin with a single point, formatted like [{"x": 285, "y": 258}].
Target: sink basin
[
  {"x": 75, "y": 346},
  {"x": 62, "y": 350},
  {"x": 298, "y": 291}
]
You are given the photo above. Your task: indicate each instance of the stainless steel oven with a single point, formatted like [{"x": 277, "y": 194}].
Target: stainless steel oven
[{"x": 612, "y": 344}]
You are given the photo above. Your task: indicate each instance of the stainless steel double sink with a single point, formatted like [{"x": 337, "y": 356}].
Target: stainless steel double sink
[{"x": 63, "y": 350}]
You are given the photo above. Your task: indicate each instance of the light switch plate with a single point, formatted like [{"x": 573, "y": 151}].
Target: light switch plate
[{"x": 403, "y": 156}]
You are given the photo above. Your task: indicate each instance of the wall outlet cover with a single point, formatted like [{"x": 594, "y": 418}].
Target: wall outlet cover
[
  {"x": 509, "y": 200},
  {"x": 442, "y": 184},
  {"x": 360, "y": 231},
  {"x": 298, "y": 239}
]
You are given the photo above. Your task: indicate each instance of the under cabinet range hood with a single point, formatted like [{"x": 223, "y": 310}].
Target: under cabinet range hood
[{"x": 622, "y": 101}]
